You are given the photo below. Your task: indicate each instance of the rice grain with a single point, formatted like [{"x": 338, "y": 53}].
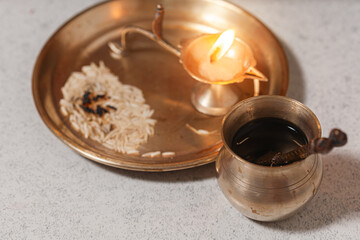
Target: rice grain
[{"x": 121, "y": 120}]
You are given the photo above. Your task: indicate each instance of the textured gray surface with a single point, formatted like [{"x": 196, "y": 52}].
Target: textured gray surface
[{"x": 47, "y": 191}]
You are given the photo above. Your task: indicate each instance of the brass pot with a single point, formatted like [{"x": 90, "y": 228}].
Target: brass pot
[{"x": 268, "y": 193}]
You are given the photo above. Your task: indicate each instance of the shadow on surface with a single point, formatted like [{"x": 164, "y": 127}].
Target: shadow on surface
[
  {"x": 296, "y": 88},
  {"x": 338, "y": 197},
  {"x": 186, "y": 175}
]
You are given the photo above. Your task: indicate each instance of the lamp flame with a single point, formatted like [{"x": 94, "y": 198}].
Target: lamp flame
[{"x": 222, "y": 45}]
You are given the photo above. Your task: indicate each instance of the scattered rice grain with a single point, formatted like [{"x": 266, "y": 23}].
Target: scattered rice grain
[
  {"x": 168, "y": 154},
  {"x": 200, "y": 131},
  {"x": 152, "y": 154}
]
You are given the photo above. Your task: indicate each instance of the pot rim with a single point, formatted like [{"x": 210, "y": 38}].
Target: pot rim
[{"x": 257, "y": 166}]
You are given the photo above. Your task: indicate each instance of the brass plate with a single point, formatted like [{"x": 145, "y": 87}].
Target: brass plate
[{"x": 165, "y": 84}]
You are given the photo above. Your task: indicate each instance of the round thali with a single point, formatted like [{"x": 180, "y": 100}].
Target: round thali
[{"x": 165, "y": 84}]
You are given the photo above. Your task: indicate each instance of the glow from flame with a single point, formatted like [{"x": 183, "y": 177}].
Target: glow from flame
[
  {"x": 116, "y": 13},
  {"x": 222, "y": 45}
]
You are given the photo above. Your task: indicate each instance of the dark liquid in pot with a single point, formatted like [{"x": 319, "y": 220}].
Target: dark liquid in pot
[{"x": 264, "y": 137}]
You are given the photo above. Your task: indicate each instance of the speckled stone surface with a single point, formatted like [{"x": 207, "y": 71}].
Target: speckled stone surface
[{"x": 47, "y": 191}]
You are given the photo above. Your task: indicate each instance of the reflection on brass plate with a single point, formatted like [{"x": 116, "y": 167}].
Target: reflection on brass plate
[{"x": 164, "y": 82}]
